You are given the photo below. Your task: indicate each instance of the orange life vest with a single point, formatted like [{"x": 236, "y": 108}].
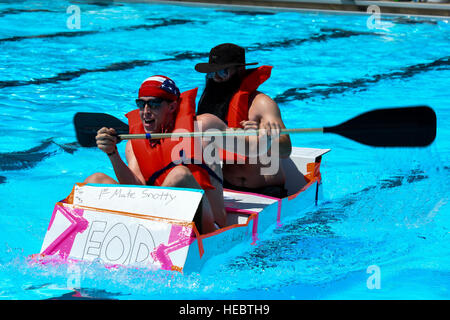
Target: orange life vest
[
  {"x": 239, "y": 105},
  {"x": 156, "y": 162}
]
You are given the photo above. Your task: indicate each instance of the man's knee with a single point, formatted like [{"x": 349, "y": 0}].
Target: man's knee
[
  {"x": 180, "y": 176},
  {"x": 100, "y": 178}
]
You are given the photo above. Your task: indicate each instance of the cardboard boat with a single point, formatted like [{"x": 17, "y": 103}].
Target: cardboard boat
[{"x": 153, "y": 227}]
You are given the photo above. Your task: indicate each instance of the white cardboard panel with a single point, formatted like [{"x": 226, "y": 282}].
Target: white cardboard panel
[
  {"x": 60, "y": 223},
  {"x": 154, "y": 201},
  {"x": 121, "y": 239}
]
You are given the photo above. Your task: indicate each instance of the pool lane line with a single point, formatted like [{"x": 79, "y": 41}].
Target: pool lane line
[
  {"x": 247, "y": 12},
  {"x": 9, "y": 11},
  {"x": 26, "y": 159},
  {"x": 64, "y": 34},
  {"x": 324, "y": 35},
  {"x": 302, "y": 93},
  {"x": 186, "y": 55},
  {"x": 70, "y": 34},
  {"x": 359, "y": 84},
  {"x": 70, "y": 75}
]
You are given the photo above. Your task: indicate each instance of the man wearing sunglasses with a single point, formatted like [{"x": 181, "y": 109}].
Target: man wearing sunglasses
[
  {"x": 231, "y": 94},
  {"x": 166, "y": 162}
]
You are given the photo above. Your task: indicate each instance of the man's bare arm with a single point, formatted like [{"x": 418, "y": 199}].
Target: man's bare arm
[
  {"x": 266, "y": 112},
  {"x": 250, "y": 143}
]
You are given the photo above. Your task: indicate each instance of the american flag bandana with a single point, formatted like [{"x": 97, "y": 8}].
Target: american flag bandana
[{"x": 160, "y": 87}]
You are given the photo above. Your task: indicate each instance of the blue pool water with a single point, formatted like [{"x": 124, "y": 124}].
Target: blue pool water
[{"x": 387, "y": 208}]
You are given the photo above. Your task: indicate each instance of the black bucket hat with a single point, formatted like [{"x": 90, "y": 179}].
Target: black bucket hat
[{"x": 224, "y": 56}]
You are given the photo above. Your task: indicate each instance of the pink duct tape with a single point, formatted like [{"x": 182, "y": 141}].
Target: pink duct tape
[
  {"x": 251, "y": 193},
  {"x": 64, "y": 242},
  {"x": 179, "y": 237},
  {"x": 279, "y": 224},
  {"x": 255, "y": 229}
]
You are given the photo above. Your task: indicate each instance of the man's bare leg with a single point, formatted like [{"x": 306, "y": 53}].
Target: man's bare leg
[
  {"x": 216, "y": 197},
  {"x": 181, "y": 176}
]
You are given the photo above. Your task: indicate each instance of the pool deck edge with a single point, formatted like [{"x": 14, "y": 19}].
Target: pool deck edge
[{"x": 388, "y": 7}]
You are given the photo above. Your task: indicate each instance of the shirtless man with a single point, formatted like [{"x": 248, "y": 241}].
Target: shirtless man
[
  {"x": 160, "y": 109},
  {"x": 231, "y": 94}
]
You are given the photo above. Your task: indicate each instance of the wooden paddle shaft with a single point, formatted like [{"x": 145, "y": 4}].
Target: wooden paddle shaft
[
  {"x": 211, "y": 133},
  {"x": 390, "y": 127}
]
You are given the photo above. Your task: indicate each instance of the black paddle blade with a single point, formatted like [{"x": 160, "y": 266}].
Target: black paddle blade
[
  {"x": 88, "y": 123},
  {"x": 396, "y": 127}
]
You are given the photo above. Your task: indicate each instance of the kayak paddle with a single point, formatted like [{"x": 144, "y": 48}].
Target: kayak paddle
[
  {"x": 396, "y": 127},
  {"x": 392, "y": 127},
  {"x": 88, "y": 123}
]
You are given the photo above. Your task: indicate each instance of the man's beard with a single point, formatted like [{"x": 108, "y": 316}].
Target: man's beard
[{"x": 217, "y": 96}]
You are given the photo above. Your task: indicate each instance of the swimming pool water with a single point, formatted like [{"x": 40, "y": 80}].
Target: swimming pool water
[{"x": 383, "y": 207}]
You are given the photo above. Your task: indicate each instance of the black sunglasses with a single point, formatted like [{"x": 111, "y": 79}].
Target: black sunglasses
[
  {"x": 221, "y": 73},
  {"x": 153, "y": 104}
]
